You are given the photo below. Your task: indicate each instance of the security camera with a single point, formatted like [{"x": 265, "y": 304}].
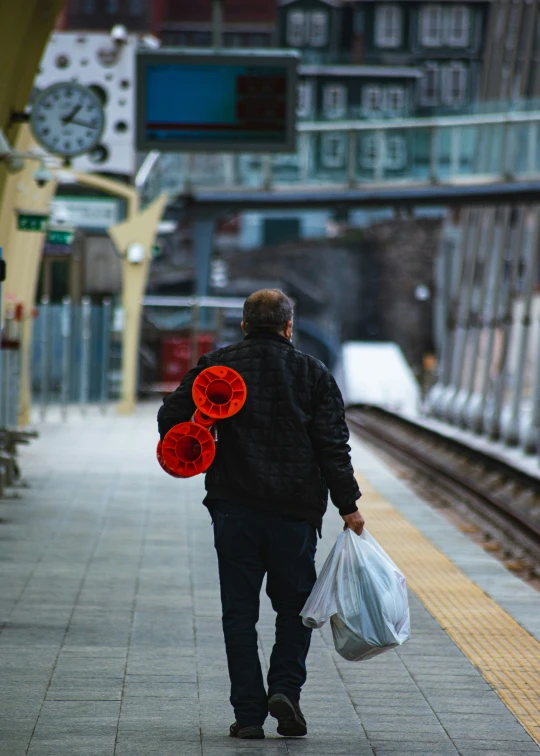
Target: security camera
[
  {"x": 42, "y": 176},
  {"x": 119, "y": 34}
]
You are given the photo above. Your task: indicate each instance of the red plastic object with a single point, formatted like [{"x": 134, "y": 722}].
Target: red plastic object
[
  {"x": 201, "y": 419},
  {"x": 159, "y": 455},
  {"x": 188, "y": 449},
  {"x": 219, "y": 392}
]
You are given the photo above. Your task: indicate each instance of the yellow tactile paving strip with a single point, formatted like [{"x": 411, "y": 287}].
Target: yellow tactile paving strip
[{"x": 507, "y": 656}]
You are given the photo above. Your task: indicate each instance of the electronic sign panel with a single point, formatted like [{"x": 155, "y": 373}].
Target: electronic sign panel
[{"x": 209, "y": 102}]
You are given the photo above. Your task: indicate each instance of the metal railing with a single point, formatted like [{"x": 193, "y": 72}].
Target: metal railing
[
  {"x": 476, "y": 148},
  {"x": 71, "y": 359}
]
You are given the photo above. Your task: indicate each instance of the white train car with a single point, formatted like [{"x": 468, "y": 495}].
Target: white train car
[{"x": 375, "y": 372}]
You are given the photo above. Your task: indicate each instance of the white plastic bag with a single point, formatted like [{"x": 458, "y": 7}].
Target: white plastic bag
[{"x": 364, "y": 595}]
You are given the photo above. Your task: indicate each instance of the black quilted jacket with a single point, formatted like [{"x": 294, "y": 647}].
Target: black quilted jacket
[{"x": 288, "y": 444}]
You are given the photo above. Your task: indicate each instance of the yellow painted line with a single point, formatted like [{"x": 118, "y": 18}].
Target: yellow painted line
[{"x": 507, "y": 656}]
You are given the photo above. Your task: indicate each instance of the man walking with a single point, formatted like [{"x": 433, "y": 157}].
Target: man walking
[{"x": 267, "y": 492}]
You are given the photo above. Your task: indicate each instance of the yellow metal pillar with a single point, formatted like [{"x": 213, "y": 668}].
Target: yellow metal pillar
[
  {"x": 138, "y": 229},
  {"x": 22, "y": 253}
]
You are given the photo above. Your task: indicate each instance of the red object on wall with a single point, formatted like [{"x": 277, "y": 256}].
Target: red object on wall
[{"x": 176, "y": 357}]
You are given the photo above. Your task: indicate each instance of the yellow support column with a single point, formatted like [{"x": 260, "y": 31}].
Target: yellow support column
[
  {"x": 22, "y": 253},
  {"x": 139, "y": 229}
]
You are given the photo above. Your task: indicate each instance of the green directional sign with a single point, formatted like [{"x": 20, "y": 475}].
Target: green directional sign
[
  {"x": 60, "y": 236},
  {"x": 32, "y": 222}
]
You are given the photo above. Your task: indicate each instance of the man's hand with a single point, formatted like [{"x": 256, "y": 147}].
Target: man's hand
[{"x": 354, "y": 521}]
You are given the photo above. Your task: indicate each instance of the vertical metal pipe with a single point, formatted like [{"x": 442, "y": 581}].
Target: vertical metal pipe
[
  {"x": 86, "y": 312},
  {"x": 495, "y": 285},
  {"x": 492, "y": 418},
  {"x": 105, "y": 339},
  {"x": 476, "y": 316},
  {"x": 466, "y": 289},
  {"x": 442, "y": 393},
  {"x": 351, "y": 161},
  {"x": 433, "y": 155},
  {"x": 512, "y": 432},
  {"x": 455, "y": 142},
  {"x": 380, "y": 156},
  {"x": 532, "y": 432},
  {"x": 65, "y": 332},
  {"x": 217, "y": 23},
  {"x": 195, "y": 317},
  {"x": 44, "y": 317},
  {"x": 6, "y": 374}
]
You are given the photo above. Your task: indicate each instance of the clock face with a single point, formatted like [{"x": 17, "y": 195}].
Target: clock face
[{"x": 67, "y": 119}]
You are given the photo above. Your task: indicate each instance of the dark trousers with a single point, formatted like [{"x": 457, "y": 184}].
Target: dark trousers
[{"x": 249, "y": 545}]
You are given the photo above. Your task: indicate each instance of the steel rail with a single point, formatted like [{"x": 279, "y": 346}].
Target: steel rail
[{"x": 487, "y": 490}]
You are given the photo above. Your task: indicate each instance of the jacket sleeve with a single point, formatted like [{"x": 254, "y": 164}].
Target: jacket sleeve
[
  {"x": 329, "y": 437},
  {"x": 179, "y": 406}
]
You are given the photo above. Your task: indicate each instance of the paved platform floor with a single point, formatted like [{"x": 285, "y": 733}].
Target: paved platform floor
[{"x": 111, "y": 638}]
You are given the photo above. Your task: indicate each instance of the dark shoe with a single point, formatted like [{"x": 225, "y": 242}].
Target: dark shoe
[
  {"x": 290, "y": 719},
  {"x": 250, "y": 732}
]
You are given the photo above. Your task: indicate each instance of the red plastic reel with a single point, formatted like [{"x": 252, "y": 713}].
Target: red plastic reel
[
  {"x": 201, "y": 419},
  {"x": 159, "y": 455},
  {"x": 188, "y": 449},
  {"x": 219, "y": 392}
]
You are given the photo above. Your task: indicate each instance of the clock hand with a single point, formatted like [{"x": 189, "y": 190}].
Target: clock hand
[
  {"x": 83, "y": 123},
  {"x": 69, "y": 118}
]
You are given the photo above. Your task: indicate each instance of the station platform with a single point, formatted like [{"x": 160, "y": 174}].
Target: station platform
[{"x": 111, "y": 640}]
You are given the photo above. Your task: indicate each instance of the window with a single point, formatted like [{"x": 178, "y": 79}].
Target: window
[
  {"x": 112, "y": 7},
  {"x": 430, "y": 85},
  {"x": 368, "y": 155},
  {"x": 295, "y": 28},
  {"x": 431, "y": 26},
  {"x": 458, "y": 26},
  {"x": 334, "y": 101},
  {"x": 395, "y": 153},
  {"x": 304, "y": 105},
  {"x": 333, "y": 150},
  {"x": 454, "y": 84},
  {"x": 372, "y": 99},
  {"x": 388, "y": 26},
  {"x": 136, "y": 7},
  {"x": 88, "y": 7},
  {"x": 394, "y": 100},
  {"x": 318, "y": 29}
]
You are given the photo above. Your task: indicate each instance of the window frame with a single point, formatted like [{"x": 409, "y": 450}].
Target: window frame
[
  {"x": 388, "y": 93},
  {"x": 434, "y": 69},
  {"x": 307, "y": 87},
  {"x": 333, "y": 161},
  {"x": 425, "y": 39},
  {"x": 451, "y": 39},
  {"x": 447, "y": 85},
  {"x": 368, "y": 90},
  {"x": 400, "y": 162},
  {"x": 300, "y": 17},
  {"x": 339, "y": 110},
  {"x": 381, "y": 37},
  {"x": 322, "y": 41}
]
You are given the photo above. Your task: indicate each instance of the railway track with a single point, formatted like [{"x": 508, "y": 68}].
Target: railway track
[{"x": 502, "y": 502}]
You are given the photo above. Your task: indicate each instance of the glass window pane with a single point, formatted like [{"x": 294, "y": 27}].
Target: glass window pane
[
  {"x": 295, "y": 28},
  {"x": 372, "y": 100},
  {"x": 430, "y": 85},
  {"x": 333, "y": 148},
  {"x": 334, "y": 101},
  {"x": 304, "y": 105},
  {"x": 388, "y": 26},
  {"x": 318, "y": 29},
  {"x": 431, "y": 26},
  {"x": 458, "y": 26}
]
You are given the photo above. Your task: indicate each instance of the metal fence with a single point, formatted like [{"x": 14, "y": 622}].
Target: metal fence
[
  {"x": 73, "y": 355},
  {"x": 10, "y": 373}
]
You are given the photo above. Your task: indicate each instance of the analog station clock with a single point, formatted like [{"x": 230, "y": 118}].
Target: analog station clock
[{"x": 67, "y": 119}]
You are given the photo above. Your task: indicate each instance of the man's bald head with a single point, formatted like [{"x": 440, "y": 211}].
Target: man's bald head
[{"x": 267, "y": 310}]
